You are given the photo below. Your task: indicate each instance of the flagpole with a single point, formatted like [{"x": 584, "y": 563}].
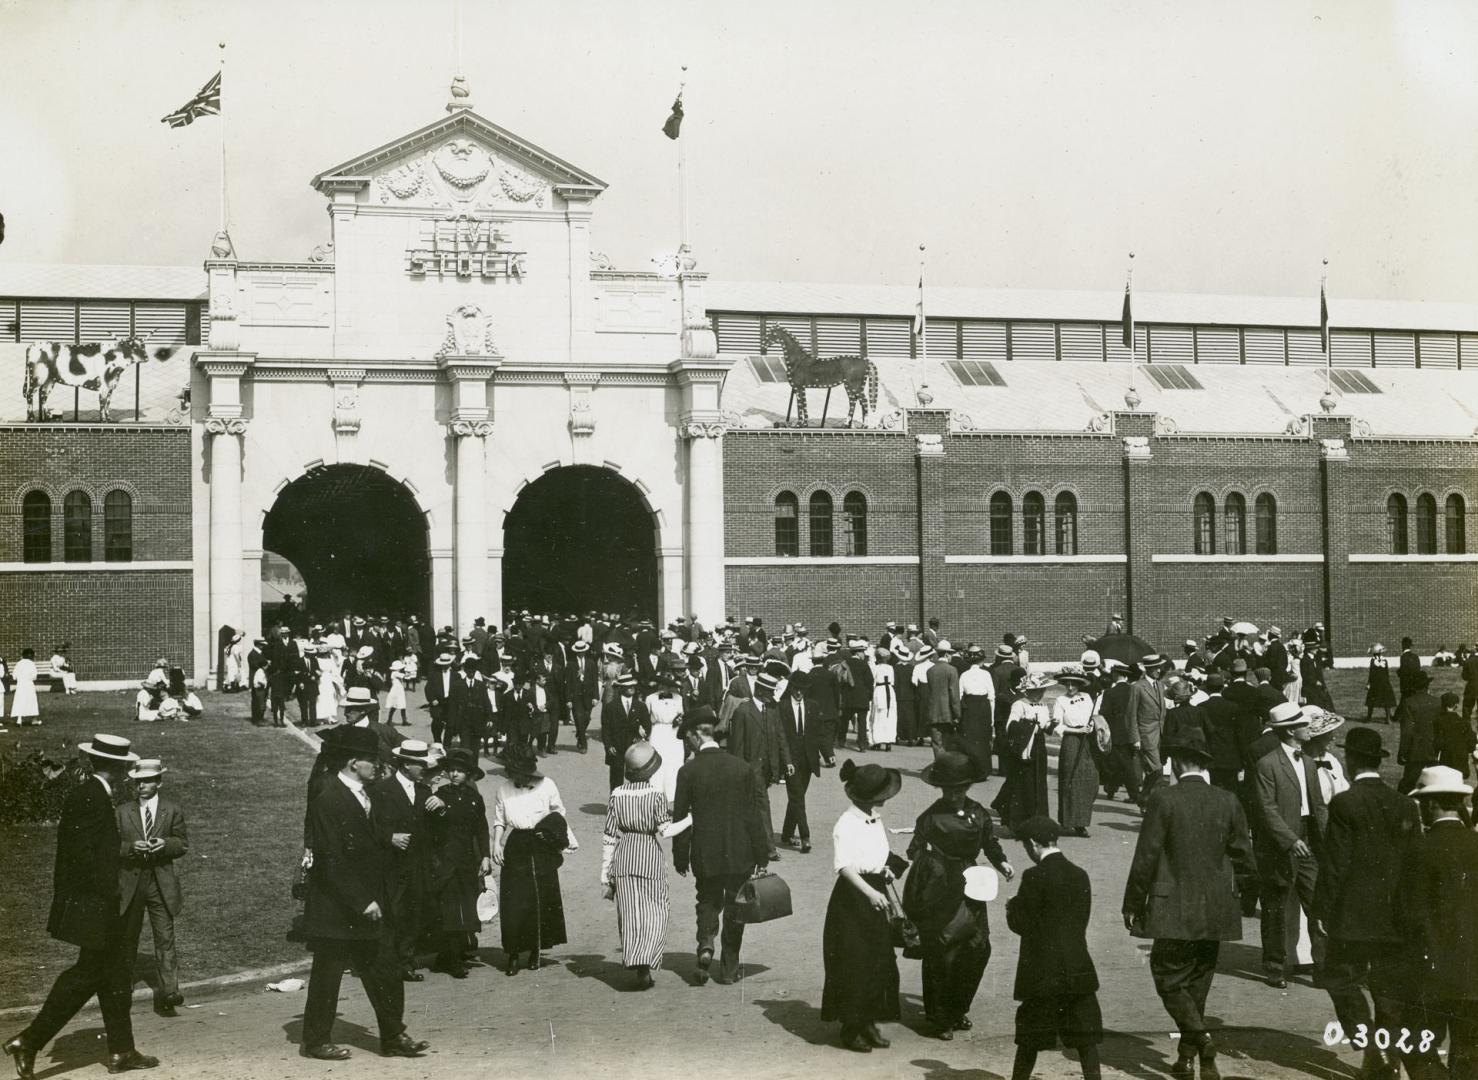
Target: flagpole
[
  {"x": 923, "y": 315},
  {"x": 1324, "y": 335},
  {"x": 221, "y": 89},
  {"x": 683, "y": 248},
  {"x": 1132, "y": 397}
]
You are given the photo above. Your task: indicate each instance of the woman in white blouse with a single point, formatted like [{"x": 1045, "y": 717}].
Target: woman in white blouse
[
  {"x": 665, "y": 707},
  {"x": 882, "y": 726},
  {"x": 1077, "y": 771},
  {"x": 530, "y": 831},
  {"x": 856, "y": 944}
]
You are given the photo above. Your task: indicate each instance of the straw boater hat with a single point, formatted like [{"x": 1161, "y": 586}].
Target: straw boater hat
[
  {"x": 625, "y": 680},
  {"x": 1287, "y": 715},
  {"x": 413, "y": 752},
  {"x": 870, "y": 783},
  {"x": 147, "y": 769},
  {"x": 359, "y": 697},
  {"x": 952, "y": 769},
  {"x": 1090, "y": 660},
  {"x": 444, "y": 659},
  {"x": 1440, "y": 780},
  {"x": 944, "y": 648},
  {"x": 1005, "y": 652},
  {"x": 642, "y": 762},
  {"x": 581, "y": 646}
]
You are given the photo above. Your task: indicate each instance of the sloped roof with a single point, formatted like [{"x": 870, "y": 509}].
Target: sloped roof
[
  {"x": 1066, "y": 397},
  {"x": 557, "y": 169},
  {"x": 1177, "y": 308},
  {"x": 102, "y": 282}
]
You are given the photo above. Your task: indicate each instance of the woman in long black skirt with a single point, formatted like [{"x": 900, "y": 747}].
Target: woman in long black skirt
[
  {"x": 530, "y": 832},
  {"x": 460, "y": 859},
  {"x": 856, "y": 944},
  {"x": 1024, "y": 755}
]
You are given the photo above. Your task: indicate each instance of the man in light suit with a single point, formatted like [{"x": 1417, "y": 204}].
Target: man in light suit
[
  {"x": 152, "y": 836},
  {"x": 1144, "y": 713},
  {"x": 943, "y": 682},
  {"x": 1287, "y": 836},
  {"x": 803, "y": 738},
  {"x": 1182, "y": 891},
  {"x": 85, "y": 912}
]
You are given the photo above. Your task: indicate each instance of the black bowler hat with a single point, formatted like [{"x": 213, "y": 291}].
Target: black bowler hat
[{"x": 1366, "y": 743}]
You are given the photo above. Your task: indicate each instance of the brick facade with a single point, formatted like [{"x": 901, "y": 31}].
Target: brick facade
[{"x": 121, "y": 617}]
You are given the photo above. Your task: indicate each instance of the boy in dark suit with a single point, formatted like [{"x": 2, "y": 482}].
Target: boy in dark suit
[
  {"x": 152, "y": 834},
  {"x": 85, "y": 912},
  {"x": 804, "y": 741},
  {"x": 1056, "y": 981}
]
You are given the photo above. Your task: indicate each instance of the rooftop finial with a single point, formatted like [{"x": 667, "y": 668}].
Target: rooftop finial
[{"x": 460, "y": 96}]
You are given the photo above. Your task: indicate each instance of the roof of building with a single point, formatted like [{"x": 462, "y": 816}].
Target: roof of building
[
  {"x": 102, "y": 282},
  {"x": 1068, "y": 397}
]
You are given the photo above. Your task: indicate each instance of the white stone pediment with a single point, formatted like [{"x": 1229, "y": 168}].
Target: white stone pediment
[{"x": 461, "y": 163}]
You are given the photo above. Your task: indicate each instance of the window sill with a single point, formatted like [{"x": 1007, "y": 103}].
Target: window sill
[
  {"x": 966, "y": 560},
  {"x": 1467, "y": 557},
  {"x": 91, "y": 567},
  {"x": 822, "y": 560},
  {"x": 1295, "y": 558}
]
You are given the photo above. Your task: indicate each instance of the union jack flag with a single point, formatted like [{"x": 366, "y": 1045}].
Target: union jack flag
[{"x": 205, "y": 103}]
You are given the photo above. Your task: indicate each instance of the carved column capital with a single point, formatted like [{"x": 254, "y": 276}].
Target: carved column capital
[
  {"x": 479, "y": 429},
  {"x": 698, "y": 426},
  {"x": 1136, "y": 448},
  {"x": 224, "y": 425},
  {"x": 928, "y": 445},
  {"x": 1333, "y": 450}
]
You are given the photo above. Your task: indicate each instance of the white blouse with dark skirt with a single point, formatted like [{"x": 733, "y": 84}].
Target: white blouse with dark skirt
[{"x": 860, "y": 841}]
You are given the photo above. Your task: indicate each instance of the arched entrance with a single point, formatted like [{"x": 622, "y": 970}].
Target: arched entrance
[
  {"x": 579, "y": 539},
  {"x": 358, "y": 539}
]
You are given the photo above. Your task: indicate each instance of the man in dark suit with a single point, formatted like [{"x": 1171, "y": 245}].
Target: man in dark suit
[
  {"x": 857, "y": 692},
  {"x": 1182, "y": 891},
  {"x": 623, "y": 720},
  {"x": 401, "y": 802},
  {"x": 345, "y": 914},
  {"x": 86, "y": 912},
  {"x": 438, "y": 691},
  {"x": 152, "y": 836},
  {"x": 1056, "y": 981},
  {"x": 726, "y": 842},
  {"x": 804, "y": 742},
  {"x": 1370, "y": 828},
  {"x": 1417, "y": 714},
  {"x": 824, "y": 702},
  {"x": 256, "y": 660},
  {"x": 1438, "y": 908},
  {"x": 1123, "y": 754},
  {"x": 740, "y": 687},
  {"x": 1275, "y": 659},
  {"x": 755, "y": 735},
  {"x": 1408, "y": 668},
  {"x": 1229, "y": 731},
  {"x": 467, "y": 708},
  {"x": 581, "y": 690},
  {"x": 283, "y": 662},
  {"x": 1287, "y": 836},
  {"x": 943, "y": 684}
]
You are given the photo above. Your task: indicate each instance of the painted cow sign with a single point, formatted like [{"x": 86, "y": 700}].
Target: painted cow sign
[{"x": 95, "y": 366}]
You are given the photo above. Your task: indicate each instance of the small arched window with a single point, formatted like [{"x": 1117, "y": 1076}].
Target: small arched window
[
  {"x": 1033, "y": 524},
  {"x": 1396, "y": 524},
  {"x": 36, "y": 527},
  {"x": 1204, "y": 531},
  {"x": 787, "y": 524},
  {"x": 1234, "y": 525},
  {"x": 1426, "y": 525},
  {"x": 1266, "y": 509},
  {"x": 1000, "y": 524},
  {"x": 821, "y": 524},
  {"x": 854, "y": 512},
  {"x": 1457, "y": 541},
  {"x": 1065, "y": 514},
  {"x": 118, "y": 526},
  {"x": 77, "y": 527}
]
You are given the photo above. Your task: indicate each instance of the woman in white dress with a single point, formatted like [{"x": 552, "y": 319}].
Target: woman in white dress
[
  {"x": 665, "y": 708},
  {"x": 61, "y": 667},
  {"x": 236, "y": 662},
  {"x": 23, "y": 706},
  {"x": 330, "y": 688},
  {"x": 882, "y": 721},
  {"x": 395, "y": 696}
]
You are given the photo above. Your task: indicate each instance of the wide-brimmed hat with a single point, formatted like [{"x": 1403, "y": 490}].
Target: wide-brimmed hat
[
  {"x": 1179, "y": 689},
  {"x": 459, "y": 757},
  {"x": 952, "y": 769},
  {"x": 169, "y": 709},
  {"x": 613, "y": 649},
  {"x": 397, "y": 665},
  {"x": 1365, "y": 743},
  {"x": 821, "y": 650},
  {"x": 925, "y": 652},
  {"x": 1286, "y": 714},
  {"x": 1377, "y": 649},
  {"x": 359, "y": 697},
  {"x": 413, "y": 752},
  {"x": 1090, "y": 660},
  {"x": 1005, "y": 652},
  {"x": 521, "y": 760},
  {"x": 1440, "y": 780},
  {"x": 982, "y": 883},
  {"x": 355, "y": 742},
  {"x": 944, "y": 648},
  {"x": 147, "y": 769},
  {"x": 1188, "y": 743},
  {"x": 900, "y": 650},
  {"x": 1033, "y": 681},
  {"x": 641, "y": 762},
  {"x": 1321, "y": 721},
  {"x": 870, "y": 783},
  {"x": 1073, "y": 676}
]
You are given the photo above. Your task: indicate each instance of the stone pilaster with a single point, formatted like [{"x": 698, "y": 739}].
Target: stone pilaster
[
  {"x": 702, "y": 428},
  {"x": 477, "y": 589}
]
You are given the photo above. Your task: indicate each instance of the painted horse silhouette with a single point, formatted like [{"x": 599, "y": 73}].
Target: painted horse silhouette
[
  {"x": 94, "y": 366},
  {"x": 857, "y": 374}
]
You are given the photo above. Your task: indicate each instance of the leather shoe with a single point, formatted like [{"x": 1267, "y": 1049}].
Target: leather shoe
[
  {"x": 1209, "y": 1071},
  {"x": 1184, "y": 1067},
  {"x": 1276, "y": 980},
  {"x": 805, "y": 847},
  {"x": 327, "y": 1052},
  {"x": 855, "y": 1040},
  {"x": 403, "y": 1046},
  {"x": 705, "y": 961},
  {"x": 409, "y": 975},
  {"x": 871, "y": 1033},
  {"x": 132, "y": 1060},
  {"x": 23, "y": 1056},
  {"x": 963, "y": 1024},
  {"x": 174, "y": 1000}
]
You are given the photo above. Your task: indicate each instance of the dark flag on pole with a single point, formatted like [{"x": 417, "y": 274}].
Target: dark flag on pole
[
  {"x": 1128, "y": 316},
  {"x": 205, "y": 103},
  {"x": 1323, "y": 319},
  {"x": 674, "y": 122}
]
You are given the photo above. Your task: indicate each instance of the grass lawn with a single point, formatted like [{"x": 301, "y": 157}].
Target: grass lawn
[{"x": 241, "y": 789}]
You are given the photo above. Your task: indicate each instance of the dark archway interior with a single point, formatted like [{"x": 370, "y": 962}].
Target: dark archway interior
[
  {"x": 357, "y": 537},
  {"x": 580, "y": 539}
]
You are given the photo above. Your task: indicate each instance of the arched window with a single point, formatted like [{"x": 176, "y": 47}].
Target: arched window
[
  {"x": 1234, "y": 525},
  {"x": 1426, "y": 525},
  {"x": 36, "y": 527},
  {"x": 1000, "y": 524},
  {"x": 1065, "y": 512},
  {"x": 118, "y": 526},
  {"x": 1456, "y": 525},
  {"x": 1396, "y": 524},
  {"x": 854, "y": 513},
  {"x": 1205, "y": 524},
  {"x": 821, "y": 524},
  {"x": 77, "y": 527},
  {"x": 1033, "y": 524},
  {"x": 1266, "y": 509},
  {"x": 787, "y": 524}
]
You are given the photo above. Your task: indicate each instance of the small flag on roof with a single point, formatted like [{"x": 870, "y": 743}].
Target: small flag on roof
[
  {"x": 1324, "y": 311},
  {"x": 1127, "y": 318},
  {"x": 674, "y": 122},
  {"x": 206, "y": 103}
]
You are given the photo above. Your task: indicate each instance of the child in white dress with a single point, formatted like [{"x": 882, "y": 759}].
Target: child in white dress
[{"x": 395, "y": 696}]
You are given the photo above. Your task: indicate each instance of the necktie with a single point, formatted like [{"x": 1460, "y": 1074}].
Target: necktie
[
  {"x": 148, "y": 821},
  {"x": 1325, "y": 765},
  {"x": 1298, "y": 755},
  {"x": 800, "y": 719}
]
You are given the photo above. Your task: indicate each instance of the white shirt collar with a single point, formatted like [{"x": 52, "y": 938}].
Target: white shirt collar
[
  {"x": 101, "y": 779},
  {"x": 152, "y": 802},
  {"x": 353, "y": 784},
  {"x": 866, "y": 819},
  {"x": 407, "y": 785},
  {"x": 1202, "y": 773},
  {"x": 706, "y": 743},
  {"x": 1368, "y": 772}
]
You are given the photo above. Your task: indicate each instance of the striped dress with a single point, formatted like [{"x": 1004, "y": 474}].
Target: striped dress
[{"x": 631, "y": 860}]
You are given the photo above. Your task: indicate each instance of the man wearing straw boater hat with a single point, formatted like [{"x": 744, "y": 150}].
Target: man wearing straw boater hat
[
  {"x": 153, "y": 835},
  {"x": 344, "y": 918},
  {"x": 438, "y": 690},
  {"x": 86, "y": 912}
]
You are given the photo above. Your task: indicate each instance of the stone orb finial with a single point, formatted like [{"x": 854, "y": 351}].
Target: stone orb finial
[{"x": 1132, "y": 399}]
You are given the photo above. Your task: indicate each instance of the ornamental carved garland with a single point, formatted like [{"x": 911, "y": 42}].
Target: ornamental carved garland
[{"x": 465, "y": 167}]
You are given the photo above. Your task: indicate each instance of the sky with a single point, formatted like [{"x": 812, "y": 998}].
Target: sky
[{"x": 1025, "y": 144}]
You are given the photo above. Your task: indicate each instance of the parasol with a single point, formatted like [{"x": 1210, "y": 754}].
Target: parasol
[
  {"x": 1125, "y": 648},
  {"x": 1244, "y": 627}
]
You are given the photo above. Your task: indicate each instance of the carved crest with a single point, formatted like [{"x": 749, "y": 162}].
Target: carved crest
[{"x": 469, "y": 333}]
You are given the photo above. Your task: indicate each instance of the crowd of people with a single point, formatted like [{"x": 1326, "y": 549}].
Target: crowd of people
[{"x": 1229, "y": 755}]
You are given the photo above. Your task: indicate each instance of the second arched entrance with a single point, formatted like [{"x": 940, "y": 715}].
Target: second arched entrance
[{"x": 580, "y": 539}]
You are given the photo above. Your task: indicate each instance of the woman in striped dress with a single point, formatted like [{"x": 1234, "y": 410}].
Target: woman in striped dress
[{"x": 633, "y": 872}]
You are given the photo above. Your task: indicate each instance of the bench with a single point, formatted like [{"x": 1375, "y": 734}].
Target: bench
[{"x": 45, "y": 677}]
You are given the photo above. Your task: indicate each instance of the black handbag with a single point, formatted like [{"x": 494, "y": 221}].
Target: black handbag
[
  {"x": 762, "y": 898},
  {"x": 903, "y": 930}
]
